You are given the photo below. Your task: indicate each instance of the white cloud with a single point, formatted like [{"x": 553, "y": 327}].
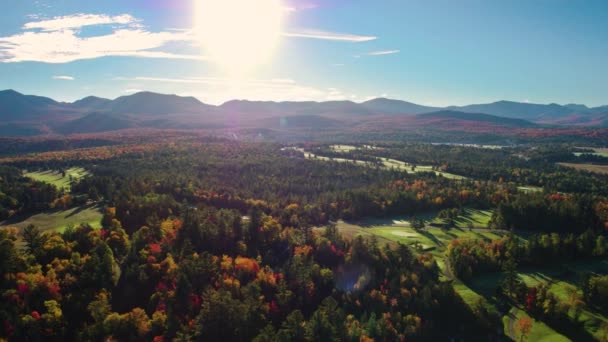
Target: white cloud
[
  {"x": 301, "y": 7},
  {"x": 63, "y": 78},
  {"x": 383, "y": 52},
  {"x": 80, "y": 20},
  {"x": 324, "y": 35},
  {"x": 131, "y": 91},
  {"x": 58, "y": 41}
]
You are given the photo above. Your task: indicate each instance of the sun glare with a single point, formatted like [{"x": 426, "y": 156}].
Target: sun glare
[{"x": 239, "y": 34}]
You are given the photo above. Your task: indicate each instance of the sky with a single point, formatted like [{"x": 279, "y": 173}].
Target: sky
[{"x": 442, "y": 52}]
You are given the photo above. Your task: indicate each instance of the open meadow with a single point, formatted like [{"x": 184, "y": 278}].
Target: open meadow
[
  {"x": 62, "y": 180},
  {"x": 387, "y": 163},
  {"x": 58, "y": 220},
  {"x": 601, "y": 169}
]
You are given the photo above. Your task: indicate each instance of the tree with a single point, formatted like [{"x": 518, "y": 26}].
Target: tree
[
  {"x": 293, "y": 328},
  {"x": 602, "y": 333},
  {"x": 331, "y": 232},
  {"x": 220, "y": 311},
  {"x": 511, "y": 281},
  {"x": 523, "y": 326},
  {"x": 417, "y": 223},
  {"x": 33, "y": 239},
  {"x": 253, "y": 231},
  {"x": 9, "y": 258}
]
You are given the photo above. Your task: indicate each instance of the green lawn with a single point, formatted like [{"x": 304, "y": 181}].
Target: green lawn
[
  {"x": 407, "y": 167},
  {"x": 433, "y": 240},
  {"x": 530, "y": 189},
  {"x": 540, "y": 331},
  {"x": 59, "y": 220},
  {"x": 560, "y": 279},
  {"x": 343, "y": 148},
  {"x": 56, "y": 178},
  {"x": 386, "y": 162},
  {"x": 474, "y": 217},
  {"x": 602, "y": 152}
]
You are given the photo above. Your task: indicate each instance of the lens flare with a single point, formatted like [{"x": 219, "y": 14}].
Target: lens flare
[{"x": 239, "y": 34}]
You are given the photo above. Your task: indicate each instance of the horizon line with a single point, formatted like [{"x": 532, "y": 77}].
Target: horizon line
[{"x": 301, "y": 101}]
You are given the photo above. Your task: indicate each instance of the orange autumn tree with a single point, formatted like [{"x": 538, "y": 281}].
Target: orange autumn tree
[{"x": 523, "y": 326}]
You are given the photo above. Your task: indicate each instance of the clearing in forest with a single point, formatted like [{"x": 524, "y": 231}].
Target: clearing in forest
[
  {"x": 472, "y": 218},
  {"x": 563, "y": 281},
  {"x": 62, "y": 180},
  {"x": 602, "y": 169},
  {"x": 58, "y": 220}
]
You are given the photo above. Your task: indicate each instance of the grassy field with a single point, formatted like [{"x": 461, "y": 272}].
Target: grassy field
[
  {"x": 433, "y": 240},
  {"x": 530, "y": 189},
  {"x": 560, "y": 279},
  {"x": 479, "y": 219},
  {"x": 386, "y": 162},
  {"x": 602, "y": 169},
  {"x": 343, "y": 148},
  {"x": 56, "y": 178},
  {"x": 540, "y": 331},
  {"x": 59, "y": 220},
  {"x": 407, "y": 167},
  {"x": 472, "y": 217},
  {"x": 598, "y": 151}
]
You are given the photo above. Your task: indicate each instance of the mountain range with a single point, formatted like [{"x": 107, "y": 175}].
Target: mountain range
[{"x": 28, "y": 115}]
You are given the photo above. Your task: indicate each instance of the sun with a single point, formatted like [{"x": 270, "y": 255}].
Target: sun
[{"x": 239, "y": 34}]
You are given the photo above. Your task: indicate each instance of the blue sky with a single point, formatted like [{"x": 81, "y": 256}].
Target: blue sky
[{"x": 428, "y": 52}]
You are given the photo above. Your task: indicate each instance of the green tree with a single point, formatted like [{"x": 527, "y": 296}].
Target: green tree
[
  {"x": 511, "y": 279},
  {"x": 293, "y": 328},
  {"x": 34, "y": 240}
]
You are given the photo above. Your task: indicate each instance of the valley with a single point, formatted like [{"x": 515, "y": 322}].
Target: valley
[
  {"x": 303, "y": 170},
  {"x": 451, "y": 222}
]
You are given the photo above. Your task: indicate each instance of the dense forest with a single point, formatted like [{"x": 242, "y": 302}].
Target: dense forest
[{"x": 213, "y": 239}]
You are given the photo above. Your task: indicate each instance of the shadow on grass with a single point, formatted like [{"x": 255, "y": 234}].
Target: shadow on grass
[
  {"x": 430, "y": 237},
  {"x": 17, "y": 219},
  {"x": 485, "y": 285},
  {"x": 83, "y": 208}
]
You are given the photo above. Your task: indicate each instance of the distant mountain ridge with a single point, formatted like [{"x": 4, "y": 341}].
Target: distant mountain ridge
[
  {"x": 477, "y": 117},
  {"x": 31, "y": 115},
  {"x": 389, "y": 106}
]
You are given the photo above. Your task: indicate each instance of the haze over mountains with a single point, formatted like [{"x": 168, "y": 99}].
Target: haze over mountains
[{"x": 27, "y": 115}]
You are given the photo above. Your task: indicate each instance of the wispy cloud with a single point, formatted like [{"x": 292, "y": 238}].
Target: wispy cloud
[
  {"x": 59, "y": 40},
  {"x": 324, "y": 35},
  {"x": 81, "y": 20},
  {"x": 301, "y": 7},
  {"x": 215, "y": 81},
  {"x": 383, "y": 52},
  {"x": 127, "y": 39},
  {"x": 63, "y": 78}
]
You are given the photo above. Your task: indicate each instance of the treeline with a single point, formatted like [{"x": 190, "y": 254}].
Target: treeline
[
  {"x": 299, "y": 192},
  {"x": 529, "y": 166},
  {"x": 468, "y": 258},
  {"x": 549, "y": 213},
  {"x": 19, "y": 194}
]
